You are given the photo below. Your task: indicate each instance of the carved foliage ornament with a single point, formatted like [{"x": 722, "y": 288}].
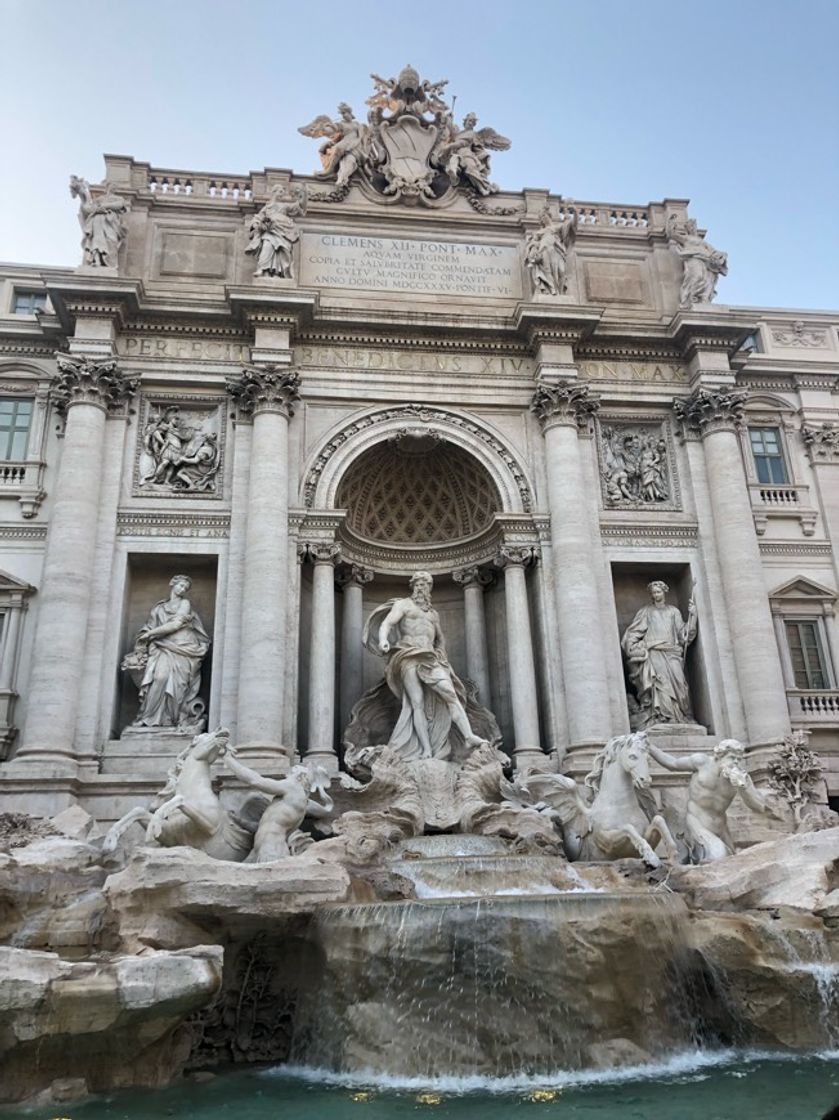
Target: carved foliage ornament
[
  {"x": 566, "y": 402},
  {"x": 83, "y": 380},
  {"x": 710, "y": 409},
  {"x": 822, "y": 443},
  {"x": 409, "y": 149},
  {"x": 266, "y": 389}
]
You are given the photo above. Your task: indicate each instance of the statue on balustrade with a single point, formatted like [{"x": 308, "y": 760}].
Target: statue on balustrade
[
  {"x": 166, "y": 664},
  {"x": 702, "y": 264},
  {"x": 715, "y": 781},
  {"x": 655, "y": 645},
  {"x": 407, "y": 632},
  {"x": 102, "y": 222},
  {"x": 273, "y": 232},
  {"x": 546, "y": 253}
]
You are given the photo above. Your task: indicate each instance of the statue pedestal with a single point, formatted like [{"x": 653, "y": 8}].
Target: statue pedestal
[{"x": 143, "y": 754}]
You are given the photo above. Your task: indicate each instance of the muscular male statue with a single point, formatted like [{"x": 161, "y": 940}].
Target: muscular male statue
[
  {"x": 407, "y": 632},
  {"x": 716, "y": 780}
]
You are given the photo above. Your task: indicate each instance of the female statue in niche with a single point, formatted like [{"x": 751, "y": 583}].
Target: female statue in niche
[
  {"x": 166, "y": 664},
  {"x": 655, "y": 644}
]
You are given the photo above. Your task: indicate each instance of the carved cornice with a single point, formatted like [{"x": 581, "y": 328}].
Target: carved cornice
[
  {"x": 23, "y": 532},
  {"x": 265, "y": 389},
  {"x": 566, "y": 402},
  {"x": 473, "y": 577},
  {"x": 84, "y": 380},
  {"x": 710, "y": 410},
  {"x": 822, "y": 443},
  {"x": 796, "y": 550}
]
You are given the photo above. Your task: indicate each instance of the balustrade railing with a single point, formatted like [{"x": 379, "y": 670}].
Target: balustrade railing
[{"x": 817, "y": 706}]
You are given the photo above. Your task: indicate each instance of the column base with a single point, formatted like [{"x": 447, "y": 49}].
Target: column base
[
  {"x": 533, "y": 759},
  {"x": 268, "y": 758},
  {"x": 326, "y": 759}
]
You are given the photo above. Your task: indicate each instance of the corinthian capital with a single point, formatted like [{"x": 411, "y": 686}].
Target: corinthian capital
[
  {"x": 564, "y": 402},
  {"x": 266, "y": 389},
  {"x": 472, "y": 577},
  {"x": 84, "y": 380},
  {"x": 710, "y": 410},
  {"x": 822, "y": 443},
  {"x": 515, "y": 556}
]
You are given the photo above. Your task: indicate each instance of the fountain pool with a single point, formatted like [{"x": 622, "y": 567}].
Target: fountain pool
[{"x": 691, "y": 1086}]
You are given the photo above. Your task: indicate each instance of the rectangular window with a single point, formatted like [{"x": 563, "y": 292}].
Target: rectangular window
[
  {"x": 15, "y": 420},
  {"x": 27, "y": 303},
  {"x": 768, "y": 457},
  {"x": 805, "y": 650}
]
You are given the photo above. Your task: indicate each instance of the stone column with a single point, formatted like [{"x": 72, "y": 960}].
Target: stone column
[
  {"x": 352, "y": 579},
  {"x": 321, "y": 747},
  {"x": 268, "y": 394},
  {"x": 716, "y": 415},
  {"x": 473, "y": 581},
  {"x": 562, "y": 409},
  {"x": 527, "y": 750},
  {"x": 84, "y": 390}
]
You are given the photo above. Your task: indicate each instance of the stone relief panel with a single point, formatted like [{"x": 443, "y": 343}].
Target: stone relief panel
[
  {"x": 637, "y": 463},
  {"x": 180, "y": 447}
]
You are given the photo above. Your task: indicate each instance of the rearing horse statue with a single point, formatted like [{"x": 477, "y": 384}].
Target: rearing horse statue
[{"x": 621, "y": 819}]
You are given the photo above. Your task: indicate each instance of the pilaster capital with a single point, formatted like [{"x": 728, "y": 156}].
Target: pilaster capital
[
  {"x": 266, "y": 388},
  {"x": 822, "y": 443},
  {"x": 321, "y": 552},
  {"x": 710, "y": 410},
  {"x": 515, "y": 556},
  {"x": 354, "y": 575},
  {"x": 472, "y": 577},
  {"x": 570, "y": 403},
  {"x": 87, "y": 380}
]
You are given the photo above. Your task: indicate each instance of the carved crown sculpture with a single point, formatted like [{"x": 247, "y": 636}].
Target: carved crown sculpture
[{"x": 410, "y": 148}]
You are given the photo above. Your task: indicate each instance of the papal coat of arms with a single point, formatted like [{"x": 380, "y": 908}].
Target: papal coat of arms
[{"x": 410, "y": 148}]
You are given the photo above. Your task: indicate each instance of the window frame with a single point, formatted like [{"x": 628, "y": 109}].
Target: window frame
[
  {"x": 824, "y": 667},
  {"x": 34, "y": 294},
  {"x": 780, "y": 457},
  {"x": 7, "y": 435}
]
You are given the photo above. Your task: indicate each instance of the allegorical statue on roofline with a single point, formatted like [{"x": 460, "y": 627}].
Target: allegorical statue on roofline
[
  {"x": 410, "y": 148},
  {"x": 102, "y": 218}
]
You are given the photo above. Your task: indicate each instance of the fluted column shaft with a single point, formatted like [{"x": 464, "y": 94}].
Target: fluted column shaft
[
  {"x": 473, "y": 581},
  {"x": 521, "y": 667},
  {"x": 562, "y": 409},
  {"x": 84, "y": 390},
  {"x": 268, "y": 394},
  {"x": 717, "y": 415},
  {"x": 322, "y": 657},
  {"x": 352, "y": 627}
]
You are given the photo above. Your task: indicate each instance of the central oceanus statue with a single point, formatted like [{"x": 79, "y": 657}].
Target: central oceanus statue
[{"x": 622, "y": 818}]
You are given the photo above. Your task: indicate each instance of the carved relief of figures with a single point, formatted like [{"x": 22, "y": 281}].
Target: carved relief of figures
[
  {"x": 273, "y": 232},
  {"x": 702, "y": 263},
  {"x": 180, "y": 453},
  {"x": 102, "y": 222},
  {"x": 635, "y": 465},
  {"x": 410, "y": 148},
  {"x": 655, "y": 645},
  {"x": 165, "y": 664},
  {"x": 546, "y": 253}
]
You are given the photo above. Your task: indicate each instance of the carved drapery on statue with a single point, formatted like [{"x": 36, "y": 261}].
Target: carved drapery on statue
[
  {"x": 102, "y": 220},
  {"x": 702, "y": 264},
  {"x": 273, "y": 233},
  {"x": 165, "y": 664},
  {"x": 410, "y": 149},
  {"x": 655, "y": 645},
  {"x": 546, "y": 252}
]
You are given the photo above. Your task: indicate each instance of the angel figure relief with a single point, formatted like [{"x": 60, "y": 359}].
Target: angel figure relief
[{"x": 345, "y": 148}]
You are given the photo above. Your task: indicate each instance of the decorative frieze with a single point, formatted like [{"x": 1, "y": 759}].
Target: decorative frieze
[
  {"x": 800, "y": 336},
  {"x": 266, "y": 388},
  {"x": 84, "y": 380},
  {"x": 624, "y": 534},
  {"x": 131, "y": 523},
  {"x": 566, "y": 402},
  {"x": 637, "y": 464},
  {"x": 180, "y": 447},
  {"x": 710, "y": 410}
]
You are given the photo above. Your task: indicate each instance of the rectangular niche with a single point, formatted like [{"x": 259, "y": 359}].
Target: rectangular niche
[
  {"x": 630, "y": 586},
  {"x": 180, "y": 446},
  {"x": 636, "y": 462},
  {"x": 146, "y": 584}
]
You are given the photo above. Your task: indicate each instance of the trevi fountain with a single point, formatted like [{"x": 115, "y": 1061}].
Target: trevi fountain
[{"x": 418, "y": 648}]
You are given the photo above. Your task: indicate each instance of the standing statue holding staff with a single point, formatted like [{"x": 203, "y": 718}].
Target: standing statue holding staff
[
  {"x": 102, "y": 222},
  {"x": 546, "y": 253},
  {"x": 716, "y": 779},
  {"x": 655, "y": 645},
  {"x": 419, "y": 674}
]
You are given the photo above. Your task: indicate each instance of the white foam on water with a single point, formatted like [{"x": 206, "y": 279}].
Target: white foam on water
[{"x": 686, "y": 1065}]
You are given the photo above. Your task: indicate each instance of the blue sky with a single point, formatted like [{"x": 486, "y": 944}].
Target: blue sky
[{"x": 733, "y": 104}]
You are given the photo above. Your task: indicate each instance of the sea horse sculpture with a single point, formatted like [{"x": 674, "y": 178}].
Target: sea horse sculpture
[
  {"x": 622, "y": 819},
  {"x": 189, "y": 811}
]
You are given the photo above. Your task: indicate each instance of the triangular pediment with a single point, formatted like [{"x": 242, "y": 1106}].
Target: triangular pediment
[
  {"x": 803, "y": 588},
  {"x": 12, "y": 583}
]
